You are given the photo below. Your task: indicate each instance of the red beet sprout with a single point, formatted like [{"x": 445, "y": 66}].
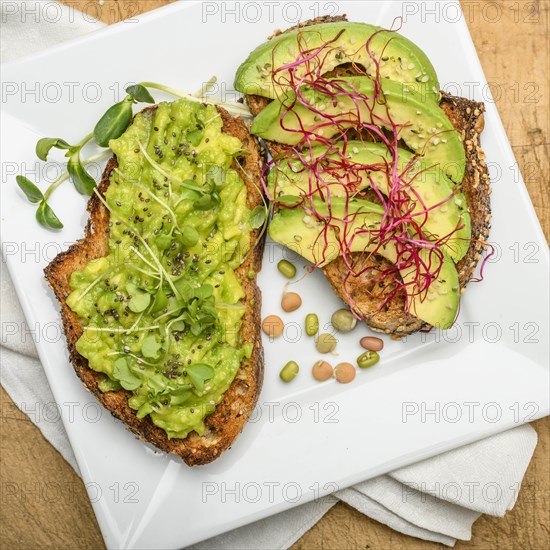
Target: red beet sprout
[{"x": 333, "y": 173}]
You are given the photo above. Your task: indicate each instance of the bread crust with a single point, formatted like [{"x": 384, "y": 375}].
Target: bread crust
[
  {"x": 230, "y": 415},
  {"x": 363, "y": 294}
]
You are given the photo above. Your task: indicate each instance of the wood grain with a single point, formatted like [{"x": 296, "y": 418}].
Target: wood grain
[{"x": 44, "y": 504}]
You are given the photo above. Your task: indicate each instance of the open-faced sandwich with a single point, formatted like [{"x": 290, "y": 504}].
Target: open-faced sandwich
[
  {"x": 159, "y": 300},
  {"x": 377, "y": 177}
]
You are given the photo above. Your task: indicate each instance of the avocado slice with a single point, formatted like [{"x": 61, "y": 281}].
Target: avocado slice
[
  {"x": 399, "y": 59},
  {"x": 429, "y": 185},
  {"x": 300, "y": 231},
  {"x": 422, "y": 125}
]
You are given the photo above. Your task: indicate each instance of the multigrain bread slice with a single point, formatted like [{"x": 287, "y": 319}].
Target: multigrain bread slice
[
  {"x": 369, "y": 298},
  {"x": 227, "y": 421}
]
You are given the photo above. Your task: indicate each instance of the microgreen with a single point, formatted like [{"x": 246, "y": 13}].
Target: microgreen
[
  {"x": 140, "y": 93},
  {"x": 44, "y": 145},
  {"x": 204, "y": 292},
  {"x": 178, "y": 326},
  {"x": 44, "y": 214},
  {"x": 205, "y": 88},
  {"x": 31, "y": 191},
  {"x": 258, "y": 216},
  {"x": 185, "y": 290},
  {"x": 199, "y": 374},
  {"x": 198, "y": 311},
  {"x": 114, "y": 122},
  {"x": 110, "y": 126},
  {"x": 139, "y": 300},
  {"x": 150, "y": 347},
  {"x": 121, "y": 371},
  {"x": 207, "y": 202},
  {"x": 216, "y": 175},
  {"x": 233, "y": 107},
  {"x": 46, "y": 217},
  {"x": 160, "y": 301},
  {"x": 189, "y": 191},
  {"x": 117, "y": 118},
  {"x": 194, "y": 137},
  {"x": 83, "y": 182}
]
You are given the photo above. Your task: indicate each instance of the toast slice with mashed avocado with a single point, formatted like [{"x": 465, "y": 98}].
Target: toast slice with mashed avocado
[
  {"x": 376, "y": 301},
  {"x": 159, "y": 300}
]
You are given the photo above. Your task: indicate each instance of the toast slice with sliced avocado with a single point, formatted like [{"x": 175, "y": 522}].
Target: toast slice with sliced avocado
[
  {"x": 467, "y": 117},
  {"x": 382, "y": 304},
  {"x": 170, "y": 342}
]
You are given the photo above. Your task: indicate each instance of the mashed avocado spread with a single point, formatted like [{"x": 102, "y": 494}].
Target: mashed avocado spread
[{"x": 162, "y": 311}]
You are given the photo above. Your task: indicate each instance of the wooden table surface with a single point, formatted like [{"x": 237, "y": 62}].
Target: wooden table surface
[{"x": 43, "y": 502}]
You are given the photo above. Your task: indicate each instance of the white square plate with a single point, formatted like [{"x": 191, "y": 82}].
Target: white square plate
[{"x": 429, "y": 394}]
